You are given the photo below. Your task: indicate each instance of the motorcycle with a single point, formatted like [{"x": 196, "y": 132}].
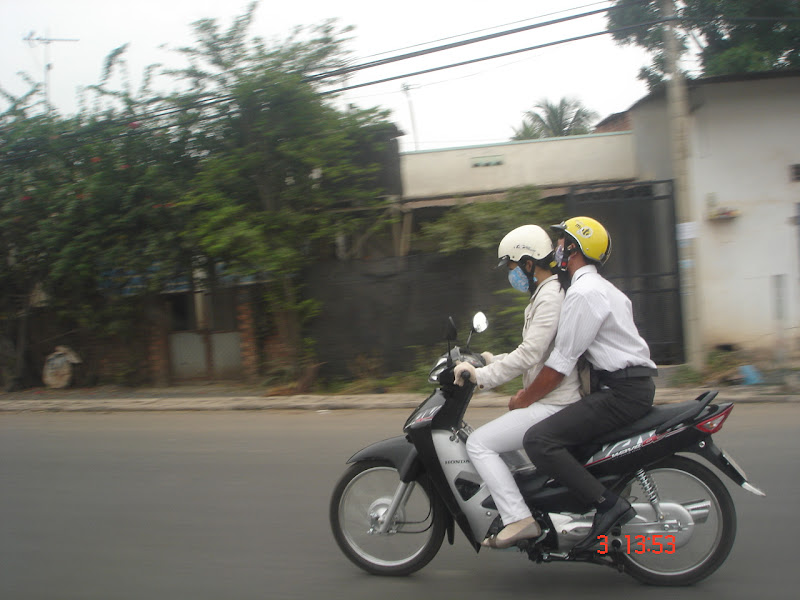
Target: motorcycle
[{"x": 393, "y": 506}]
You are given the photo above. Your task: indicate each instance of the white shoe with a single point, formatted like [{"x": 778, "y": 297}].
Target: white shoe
[{"x": 523, "y": 529}]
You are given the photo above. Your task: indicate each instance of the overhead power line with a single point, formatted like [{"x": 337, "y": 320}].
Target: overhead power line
[
  {"x": 209, "y": 101},
  {"x": 494, "y": 56},
  {"x": 483, "y": 38},
  {"x": 206, "y": 102},
  {"x": 461, "y": 35},
  {"x": 528, "y": 49}
]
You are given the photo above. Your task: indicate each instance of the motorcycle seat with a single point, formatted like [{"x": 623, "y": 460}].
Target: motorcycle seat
[{"x": 660, "y": 417}]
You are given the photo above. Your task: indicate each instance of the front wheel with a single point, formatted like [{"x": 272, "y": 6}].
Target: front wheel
[
  {"x": 695, "y": 532},
  {"x": 359, "y": 502}
]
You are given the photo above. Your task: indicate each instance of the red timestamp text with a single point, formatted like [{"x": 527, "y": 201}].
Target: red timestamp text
[{"x": 639, "y": 544}]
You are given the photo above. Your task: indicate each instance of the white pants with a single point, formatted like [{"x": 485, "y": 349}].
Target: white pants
[{"x": 505, "y": 434}]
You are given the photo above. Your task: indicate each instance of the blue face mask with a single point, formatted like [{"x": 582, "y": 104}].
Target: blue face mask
[{"x": 519, "y": 280}]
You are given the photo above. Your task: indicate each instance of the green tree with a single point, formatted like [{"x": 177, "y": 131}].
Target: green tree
[
  {"x": 88, "y": 217},
  {"x": 27, "y": 180},
  {"x": 483, "y": 224},
  {"x": 550, "y": 119},
  {"x": 284, "y": 172},
  {"x": 726, "y": 36},
  {"x": 248, "y": 168}
]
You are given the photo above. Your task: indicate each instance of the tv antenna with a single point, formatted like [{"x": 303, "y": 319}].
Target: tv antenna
[{"x": 32, "y": 40}]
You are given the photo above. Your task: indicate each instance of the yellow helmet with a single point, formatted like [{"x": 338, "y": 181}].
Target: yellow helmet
[{"x": 590, "y": 235}]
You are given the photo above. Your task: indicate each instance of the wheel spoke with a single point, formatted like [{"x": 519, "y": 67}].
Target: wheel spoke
[
  {"x": 694, "y": 532},
  {"x": 359, "y": 504}
]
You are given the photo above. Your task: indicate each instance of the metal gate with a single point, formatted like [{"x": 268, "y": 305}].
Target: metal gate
[
  {"x": 644, "y": 259},
  {"x": 204, "y": 342}
]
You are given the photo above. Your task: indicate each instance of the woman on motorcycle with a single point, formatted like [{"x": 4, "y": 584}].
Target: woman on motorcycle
[{"x": 527, "y": 251}]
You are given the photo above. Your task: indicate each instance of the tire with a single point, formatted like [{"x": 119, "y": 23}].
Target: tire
[
  {"x": 363, "y": 493},
  {"x": 700, "y": 548}
]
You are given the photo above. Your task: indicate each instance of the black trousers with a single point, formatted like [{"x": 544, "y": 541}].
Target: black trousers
[{"x": 621, "y": 402}]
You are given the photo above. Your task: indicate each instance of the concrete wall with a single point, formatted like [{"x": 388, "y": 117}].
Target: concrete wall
[
  {"x": 653, "y": 153},
  {"x": 744, "y": 135},
  {"x": 543, "y": 163},
  {"x": 745, "y": 138}
]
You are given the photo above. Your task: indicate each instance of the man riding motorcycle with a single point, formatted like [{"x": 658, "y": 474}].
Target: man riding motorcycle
[{"x": 596, "y": 321}]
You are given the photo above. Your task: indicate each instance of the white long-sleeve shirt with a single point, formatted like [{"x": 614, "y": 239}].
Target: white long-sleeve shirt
[
  {"x": 597, "y": 318},
  {"x": 538, "y": 336}
]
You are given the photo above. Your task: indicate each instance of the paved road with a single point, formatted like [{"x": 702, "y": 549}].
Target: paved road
[{"x": 234, "y": 505}]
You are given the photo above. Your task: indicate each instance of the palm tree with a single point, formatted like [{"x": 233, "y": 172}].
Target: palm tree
[{"x": 547, "y": 119}]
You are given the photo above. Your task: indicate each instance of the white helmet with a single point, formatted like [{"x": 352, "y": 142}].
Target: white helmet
[{"x": 528, "y": 240}]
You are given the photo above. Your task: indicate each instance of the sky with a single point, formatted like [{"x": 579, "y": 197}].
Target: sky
[{"x": 471, "y": 105}]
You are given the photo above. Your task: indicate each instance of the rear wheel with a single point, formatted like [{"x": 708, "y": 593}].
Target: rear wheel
[
  {"x": 697, "y": 531},
  {"x": 359, "y": 502}
]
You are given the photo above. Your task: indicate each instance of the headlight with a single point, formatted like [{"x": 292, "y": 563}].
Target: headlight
[{"x": 441, "y": 365}]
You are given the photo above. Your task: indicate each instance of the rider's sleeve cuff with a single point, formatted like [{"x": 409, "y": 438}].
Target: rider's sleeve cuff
[{"x": 560, "y": 363}]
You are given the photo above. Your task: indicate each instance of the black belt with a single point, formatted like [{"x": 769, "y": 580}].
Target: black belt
[{"x": 628, "y": 373}]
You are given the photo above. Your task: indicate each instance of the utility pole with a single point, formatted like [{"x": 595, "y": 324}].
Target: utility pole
[
  {"x": 47, "y": 64},
  {"x": 407, "y": 91},
  {"x": 678, "y": 113}
]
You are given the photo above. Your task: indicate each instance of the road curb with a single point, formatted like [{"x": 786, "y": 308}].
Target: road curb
[{"x": 739, "y": 395}]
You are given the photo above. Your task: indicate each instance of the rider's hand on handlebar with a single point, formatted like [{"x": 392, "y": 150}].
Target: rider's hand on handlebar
[
  {"x": 488, "y": 358},
  {"x": 463, "y": 371}
]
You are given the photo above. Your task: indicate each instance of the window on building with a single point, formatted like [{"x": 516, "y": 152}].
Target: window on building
[
  {"x": 486, "y": 161},
  {"x": 182, "y": 312}
]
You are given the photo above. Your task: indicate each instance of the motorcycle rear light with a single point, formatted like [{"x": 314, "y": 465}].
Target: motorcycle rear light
[{"x": 714, "y": 424}]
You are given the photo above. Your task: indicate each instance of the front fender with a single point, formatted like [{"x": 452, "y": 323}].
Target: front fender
[{"x": 398, "y": 451}]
